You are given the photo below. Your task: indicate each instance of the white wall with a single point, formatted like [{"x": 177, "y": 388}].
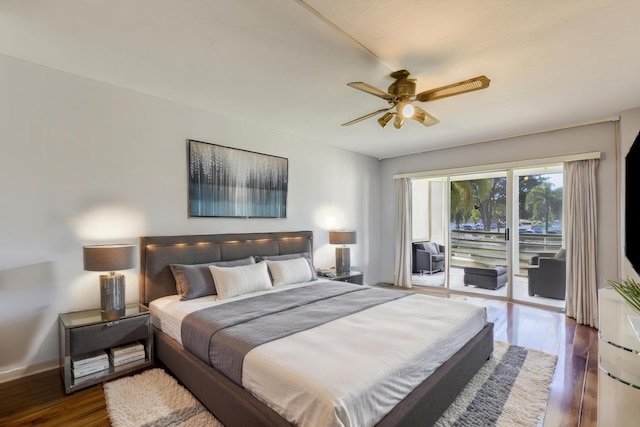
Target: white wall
[
  {"x": 84, "y": 162},
  {"x": 427, "y": 222},
  {"x": 420, "y": 210},
  {"x": 600, "y": 137}
]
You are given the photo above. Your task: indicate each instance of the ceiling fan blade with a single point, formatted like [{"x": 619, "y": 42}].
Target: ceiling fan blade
[
  {"x": 423, "y": 117},
  {"x": 372, "y": 90},
  {"x": 476, "y": 83},
  {"x": 365, "y": 117}
]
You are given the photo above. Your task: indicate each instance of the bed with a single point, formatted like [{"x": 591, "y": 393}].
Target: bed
[{"x": 273, "y": 384}]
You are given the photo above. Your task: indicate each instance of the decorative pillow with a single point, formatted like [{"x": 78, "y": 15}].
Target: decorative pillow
[
  {"x": 289, "y": 271},
  {"x": 561, "y": 254},
  {"x": 233, "y": 281},
  {"x": 195, "y": 280},
  {"x": 432, "y": 248},
  {"x": 305, "y": 255}
]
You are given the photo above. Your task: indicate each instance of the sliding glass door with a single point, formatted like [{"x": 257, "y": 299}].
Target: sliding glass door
[
  {"x": 539, "y": 234},
  {"x": 430, "y": 231},
  {"x": 489, "y": 228},
  {"x": 478, "y": 234}
]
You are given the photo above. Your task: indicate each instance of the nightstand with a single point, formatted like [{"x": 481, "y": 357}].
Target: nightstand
[
  {"x": 356, "y": 277},
  {"x": 83, "y": 332}
]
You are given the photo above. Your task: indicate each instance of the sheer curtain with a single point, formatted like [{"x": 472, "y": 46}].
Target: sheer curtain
[
  {"x": 581, "y": 234},
  {"x": 403, "y": 234}
]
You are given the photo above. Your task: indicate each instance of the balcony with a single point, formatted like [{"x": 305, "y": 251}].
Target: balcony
[{"x": 472, "y": 248}]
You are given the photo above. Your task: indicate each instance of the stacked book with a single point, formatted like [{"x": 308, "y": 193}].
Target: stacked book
[
  {"x": 89, "y": 363},
  {"x": 126, "y": 354}
]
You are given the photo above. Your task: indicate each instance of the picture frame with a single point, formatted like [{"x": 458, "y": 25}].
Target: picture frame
[{"x": 235, "y": 183}]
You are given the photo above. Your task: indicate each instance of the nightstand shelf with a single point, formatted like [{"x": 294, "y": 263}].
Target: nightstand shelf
[
  {"x": 356, "y": 277},
  {"x": 83, "y": 332}
]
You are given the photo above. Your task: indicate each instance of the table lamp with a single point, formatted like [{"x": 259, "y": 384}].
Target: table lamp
[
  {"x": 343, "y": 255},
  {"x": 109, "y": 258}
]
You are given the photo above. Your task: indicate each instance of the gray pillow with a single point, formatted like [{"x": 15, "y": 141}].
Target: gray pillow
[
  {"x": 196, "y": 280},
  {"x": 432, "y": 248},
  {"x": 561, "y": 254},
  {"x": 306, "y": 255}
]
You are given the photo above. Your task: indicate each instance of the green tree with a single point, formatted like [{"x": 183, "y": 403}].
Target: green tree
[
  {"x": 478, "y": 199},
  {"x": 489, "y": 196},
  {"x": 545, "y": 203},
  {"x": 525, "y": 185},
  {"x": 461, "y": 201}
]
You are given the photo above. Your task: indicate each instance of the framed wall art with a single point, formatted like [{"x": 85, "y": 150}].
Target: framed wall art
[{"x": 229, "y": 182}]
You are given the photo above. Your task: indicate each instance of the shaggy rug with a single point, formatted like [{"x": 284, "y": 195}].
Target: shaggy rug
[
  {"x": 511, "y": 389},
  {"x": 154, "y": 398}
]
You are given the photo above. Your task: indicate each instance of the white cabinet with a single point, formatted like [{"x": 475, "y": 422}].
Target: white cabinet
[{"x": 618, "y": 363}]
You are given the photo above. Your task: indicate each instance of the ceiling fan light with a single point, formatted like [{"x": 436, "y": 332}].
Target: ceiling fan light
[
  {"x": 385, "y": 119},
  {"x": 398, "y": 122},
  {"x": 425, "y": 118},
  {"x": 407, "y": 110},
  {"x": 420, "y": 116}
]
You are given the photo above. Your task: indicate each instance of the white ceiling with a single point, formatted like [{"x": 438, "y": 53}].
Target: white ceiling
[{"x": 284, "y": 64}]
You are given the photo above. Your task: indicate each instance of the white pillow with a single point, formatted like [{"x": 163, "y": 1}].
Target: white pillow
[
  {"x": 233, "y": 281},
  {"x": 289, "y": 271}
]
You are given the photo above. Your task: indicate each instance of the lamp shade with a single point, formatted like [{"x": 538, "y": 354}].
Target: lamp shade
[
  {"x": 342, "y": 237},
  {"x": 109, "y": 257}
]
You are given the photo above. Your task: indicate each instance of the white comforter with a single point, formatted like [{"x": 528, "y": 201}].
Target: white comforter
[{"x": 351, "y": 371}]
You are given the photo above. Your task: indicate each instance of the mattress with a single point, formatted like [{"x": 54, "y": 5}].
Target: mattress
[{"x": 350, "y": 371}]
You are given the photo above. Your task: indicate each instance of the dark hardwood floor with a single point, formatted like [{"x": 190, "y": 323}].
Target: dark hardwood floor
[
  {"x": 40, "y": 399},
  {"x": 574, "y": 390}
]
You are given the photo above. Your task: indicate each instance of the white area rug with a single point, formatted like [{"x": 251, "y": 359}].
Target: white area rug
[
  {"x": 154, "y": 398},
  {"x": 511, "y": 389}
]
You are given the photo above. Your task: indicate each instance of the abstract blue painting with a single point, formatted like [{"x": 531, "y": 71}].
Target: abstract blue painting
[{"x": 229, "y": 182}]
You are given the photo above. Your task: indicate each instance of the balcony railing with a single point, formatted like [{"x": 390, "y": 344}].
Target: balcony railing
[{"x": 489, "y": 248}]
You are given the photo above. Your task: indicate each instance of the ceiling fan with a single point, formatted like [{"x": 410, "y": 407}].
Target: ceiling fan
[{"x": 401, "y": 95}]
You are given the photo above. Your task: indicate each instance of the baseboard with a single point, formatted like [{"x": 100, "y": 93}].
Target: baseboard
[{"x": 25, "y": 371}]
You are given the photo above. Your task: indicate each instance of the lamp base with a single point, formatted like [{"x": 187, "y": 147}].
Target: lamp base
[
  {"x": 112, "y": 303},
  {"x": 343, "y": 261}
]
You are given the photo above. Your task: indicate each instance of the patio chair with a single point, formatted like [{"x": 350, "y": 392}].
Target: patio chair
[
  {"x": 548, "y": 276},
  {"x": 428, "y": 256}
]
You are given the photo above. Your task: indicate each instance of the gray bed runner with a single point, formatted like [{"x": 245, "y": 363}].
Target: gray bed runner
[{"x": 222, "y": 335}]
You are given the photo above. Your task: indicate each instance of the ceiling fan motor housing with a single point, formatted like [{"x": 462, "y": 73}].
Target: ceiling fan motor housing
[{"x": 403, "y": 88}]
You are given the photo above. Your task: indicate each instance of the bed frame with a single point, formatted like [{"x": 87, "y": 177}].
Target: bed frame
[{"x": 232, "y": 404}]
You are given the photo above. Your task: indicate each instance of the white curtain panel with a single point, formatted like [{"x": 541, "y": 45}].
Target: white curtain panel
[
  {"x": 581, "y": 235},
  {"x": 403, "y": 234}
]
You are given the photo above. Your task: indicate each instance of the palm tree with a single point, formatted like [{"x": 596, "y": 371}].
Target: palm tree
[
  {"x": 545, "y": 203},
  {"x": 526, "y": 184}
]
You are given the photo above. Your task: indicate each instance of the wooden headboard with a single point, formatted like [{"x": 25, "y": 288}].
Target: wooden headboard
[{"x": 157, "y": 252}]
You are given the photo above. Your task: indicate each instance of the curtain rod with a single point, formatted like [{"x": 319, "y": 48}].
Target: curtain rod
[
  {"x": 500, "y": 138},
  {"x": 540, "y": 161}
]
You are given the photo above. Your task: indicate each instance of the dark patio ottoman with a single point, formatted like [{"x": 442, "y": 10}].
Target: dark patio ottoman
[{"x": 487, "y": 278}]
